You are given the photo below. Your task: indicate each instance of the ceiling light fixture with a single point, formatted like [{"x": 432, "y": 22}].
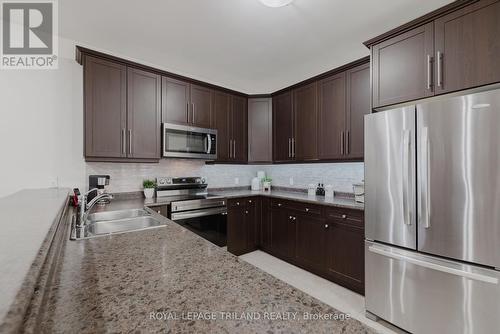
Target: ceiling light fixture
[{"x": 276, "y": 3}]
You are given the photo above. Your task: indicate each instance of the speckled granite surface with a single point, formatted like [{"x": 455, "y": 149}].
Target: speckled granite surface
[
  {"x": 150, "y": 281},
  {"x": 293, "y": 195}
]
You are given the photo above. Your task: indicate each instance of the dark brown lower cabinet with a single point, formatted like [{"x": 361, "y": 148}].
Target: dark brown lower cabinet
[
  {"x": 327, "y": 241},
  {"x": 243, "y": 217}
]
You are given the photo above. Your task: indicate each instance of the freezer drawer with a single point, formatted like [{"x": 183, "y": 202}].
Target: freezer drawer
[{"x": 424, "y": 294}]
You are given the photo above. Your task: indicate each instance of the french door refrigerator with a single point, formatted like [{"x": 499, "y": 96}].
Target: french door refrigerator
[{"x": 432, "y": 212}]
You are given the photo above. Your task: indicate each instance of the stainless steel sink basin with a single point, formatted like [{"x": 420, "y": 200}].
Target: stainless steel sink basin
[{"x": 113, "y": 222}]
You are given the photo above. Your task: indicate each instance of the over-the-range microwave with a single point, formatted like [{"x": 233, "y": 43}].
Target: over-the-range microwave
[{"x": 181, "y": 141}]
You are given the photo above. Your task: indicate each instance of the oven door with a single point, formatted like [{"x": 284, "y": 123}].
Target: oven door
[
  {"x": 189, "y": 142},
  {"x": 210, "y": 224}
]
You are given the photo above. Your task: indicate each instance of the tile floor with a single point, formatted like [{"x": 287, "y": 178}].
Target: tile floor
[{"x": 329, "y": 293}]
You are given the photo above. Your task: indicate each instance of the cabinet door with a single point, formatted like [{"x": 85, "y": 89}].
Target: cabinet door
[
  {"x": 252, "y": 214},
  {"x": 282, "y": 234},
  {"x": 175, "y": 101},
  {"x": 260, "y": 138},
  {"x": 221, "y": 122},
  {"x": 402, "y": 68},
  {"x": 345, "y": 254},
  {"x": 311, "y": 242},
  {"x": 468, "y": 47},
  {"x": 282, "y": 127},
  {"x": 143, "y": 114},
  {"x": 331, "y": 120},
  {"x": 105, "y": 108},
  {"x": 358, "y": 105},
  {"x": 201, "y": 106},
  {"x": 239, "y": 128},
  {"x": 306, "y": 122},
  {"x": 237, "y": 229}
]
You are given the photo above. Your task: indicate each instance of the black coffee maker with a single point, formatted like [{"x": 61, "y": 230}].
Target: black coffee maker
[{"x": 99, "y": 182}]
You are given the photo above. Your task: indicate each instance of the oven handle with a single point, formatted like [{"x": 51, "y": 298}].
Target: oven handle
[{"x": 198, "y": 213}]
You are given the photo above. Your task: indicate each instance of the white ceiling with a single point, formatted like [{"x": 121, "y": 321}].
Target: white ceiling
[{"x": 239, "y": 44}]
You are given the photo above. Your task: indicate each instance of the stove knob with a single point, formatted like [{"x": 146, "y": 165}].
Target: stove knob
[
  {"x": 198, "y": 180},
  {"x": 203, "y": 180},
  {"x": 169, "y": 180}
]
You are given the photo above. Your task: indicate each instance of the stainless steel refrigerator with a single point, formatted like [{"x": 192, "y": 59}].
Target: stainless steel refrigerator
[{"x": 432, "y": 212}]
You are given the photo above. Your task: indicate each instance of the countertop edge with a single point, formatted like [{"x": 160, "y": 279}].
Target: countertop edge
[{"x": 13, "y": 319}]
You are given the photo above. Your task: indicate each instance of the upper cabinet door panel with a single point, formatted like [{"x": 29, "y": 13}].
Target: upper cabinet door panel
[
  {"x": 260, "y": 139},
  {"x": 175, "y": 101},
  {"x": 402, "y": 67},
  {"x": 239, "y": 128},
  {"x": 221, "y": 123},
  {"x": 201, "y": 106},
  {"x": 332, "y": 98},
  {"x": 358, "y": 105},
  {"x": 306, "y": 116},
  {"x": 143, "y": 112},
  {"x": 468, "y": 42},
  {"x": 105, "y": 108},
  {"x": 282, "y": 127}
]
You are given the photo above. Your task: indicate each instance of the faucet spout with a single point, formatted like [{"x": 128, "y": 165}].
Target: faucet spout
[{"x": 85, "y": 208}]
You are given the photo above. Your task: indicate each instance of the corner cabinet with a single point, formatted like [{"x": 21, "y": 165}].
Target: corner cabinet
[
  {"x": 458, "y": 49},
  {"x": 305, "y": 103},
  {"x": 260, "y": 138},
  {"x": 122, "y": 112}
]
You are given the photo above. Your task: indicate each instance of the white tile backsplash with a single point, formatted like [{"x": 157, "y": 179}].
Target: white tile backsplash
[{"x": 129, "y": 176}]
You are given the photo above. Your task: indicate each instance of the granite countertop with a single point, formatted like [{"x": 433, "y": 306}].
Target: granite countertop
[
  {"x": 340, "y": 202},
  {"x": 29, "y": 222},
  {"x": 171, "y": 280}
]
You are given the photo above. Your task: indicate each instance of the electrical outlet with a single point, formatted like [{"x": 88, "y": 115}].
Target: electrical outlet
[
  {"x": 291, "y": 181},
  {"x": 236, "y": 180}
]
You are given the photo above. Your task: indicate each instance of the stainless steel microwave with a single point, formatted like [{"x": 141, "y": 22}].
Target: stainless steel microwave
[{"x": 181, "y": 141}]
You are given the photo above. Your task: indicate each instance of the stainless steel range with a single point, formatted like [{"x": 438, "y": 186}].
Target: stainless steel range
[{"x": 192, "y": 207}]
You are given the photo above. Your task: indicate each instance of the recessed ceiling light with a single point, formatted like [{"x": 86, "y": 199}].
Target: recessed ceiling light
[{"x": 276, "y": 3}]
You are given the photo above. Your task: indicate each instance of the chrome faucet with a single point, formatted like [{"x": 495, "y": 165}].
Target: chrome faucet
[{"x": 86, "y": 207}]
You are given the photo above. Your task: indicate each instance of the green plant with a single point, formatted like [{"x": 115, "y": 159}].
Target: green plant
[
  {"x": 267, "y": 179},
  {"x": 148, "y": 184}
]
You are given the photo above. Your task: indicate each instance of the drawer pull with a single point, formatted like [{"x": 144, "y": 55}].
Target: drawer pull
[
  {"x": 250, "y": 201},
  {"x": 237, "y": 203},
  {"x": 344, "y": 216},
  {"x": 246, "y": 212},
  {"x": 279, "y": 204},
  {"x": 326, "y": 225},
  {"x": 307, "y": 209}
]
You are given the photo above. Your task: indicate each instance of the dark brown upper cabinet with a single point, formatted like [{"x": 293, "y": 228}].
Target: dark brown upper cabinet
[
  {"x": 201, "y": 106},
  {"x": 122, "y": 112},
  {"x": 105, "y": 85},
  {"x": 305, "y": 147},
  {"x": 402, "y": 67},
  {"x": 467, "y": 45},
  {"x": 260, "y": 139},
  {"x": 283, "y": 127},
  {"x": 453, "y": 48},
  {"x": 221, "y": 111},
  {"x": 186, "y": 104},
  {"x": 230, "y": 120},
  {"x": 143, "y": 114},
  {"x": 175, "y": 101},
  {"x": 332, "y": 117},
  {"x": 358, "y": 105}
]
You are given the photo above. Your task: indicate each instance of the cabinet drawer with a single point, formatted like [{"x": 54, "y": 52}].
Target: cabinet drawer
[
  {"x": 306, "y": 208},
  {"x": 355, "y": 217},
  {"x": 236, "y": 202},
  {"x": 279, "y": 203}
]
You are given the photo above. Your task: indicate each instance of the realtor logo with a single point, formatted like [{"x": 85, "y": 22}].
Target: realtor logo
[{"x": 29, "y": 35}]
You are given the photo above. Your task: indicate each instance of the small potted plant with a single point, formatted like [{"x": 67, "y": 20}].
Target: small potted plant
[
  {"x": 266, "y": 183},
  {"x": 149, "y": 188}
]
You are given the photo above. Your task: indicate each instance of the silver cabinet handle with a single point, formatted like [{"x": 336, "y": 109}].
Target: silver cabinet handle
[
  {"x": 230, "y": 148},
  {"x": 341, "y": 142},
  {"x": 439, "y": 69},
  {"x": 307, "y": 209},
  {"x": 406, "y": 178},
  {"x": 279, "y": 204},
  {"x": 429, "y": 72},
  {"x": 347, "y": 144},
  {"x": 293, "y": 147},
  {"x": 193, "y": 113},
  {"x": 187, "y": 112},
  {"x": 250, "y": 201},
  {"x": 326, "y": 225},
  {"x": 129, "y": 141},
  {"x": 289, "y": 147},
  {"x": 432, "y": 265},
  {"x": 234, "y": 148},
  {"x": 246, "y": 212},
  {"x": 237, "y": 203},
  {"x": 124, "y": 142},
  {"x": 425, "y": 210},
  {"x": 344, "y": 216}
]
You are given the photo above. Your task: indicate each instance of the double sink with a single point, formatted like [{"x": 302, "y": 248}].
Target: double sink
[{"x": 114, "y": 222}]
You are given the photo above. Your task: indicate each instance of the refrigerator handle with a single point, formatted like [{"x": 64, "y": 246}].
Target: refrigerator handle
[
  {"x": 406, "y": 177},
  {"x": 425, "y": 209},
  {"x": 432, "y": 265}
]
